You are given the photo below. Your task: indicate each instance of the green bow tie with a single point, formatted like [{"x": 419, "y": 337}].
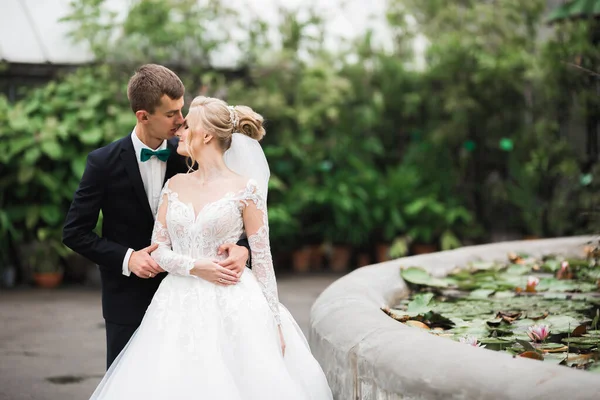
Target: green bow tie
[{"x": 162, "y": 155}]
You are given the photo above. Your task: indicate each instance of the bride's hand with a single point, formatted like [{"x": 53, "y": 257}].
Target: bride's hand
[
  {"x": 282, "y": 340},
  {"x": 213, "y": 272}
]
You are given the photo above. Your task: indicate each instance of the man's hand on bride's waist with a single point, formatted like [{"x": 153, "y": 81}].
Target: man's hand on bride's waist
[{"x": 142, "y": 264}]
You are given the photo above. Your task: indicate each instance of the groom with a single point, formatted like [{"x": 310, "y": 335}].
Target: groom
[{"x": 124, "y": 181}]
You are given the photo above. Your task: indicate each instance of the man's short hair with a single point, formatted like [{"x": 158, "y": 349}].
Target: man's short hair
[{"x": 149, "y": 84}]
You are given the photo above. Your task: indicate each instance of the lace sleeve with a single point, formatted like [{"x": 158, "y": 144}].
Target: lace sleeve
[
  {"x": 257, "y": 230},
  {"x": 165, "y": 257}
]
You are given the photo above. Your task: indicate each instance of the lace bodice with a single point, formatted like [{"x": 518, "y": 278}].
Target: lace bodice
[{"x": 184, "y": 236}]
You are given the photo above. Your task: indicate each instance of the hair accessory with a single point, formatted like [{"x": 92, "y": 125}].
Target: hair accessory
[{"x": 233, "y": 117}]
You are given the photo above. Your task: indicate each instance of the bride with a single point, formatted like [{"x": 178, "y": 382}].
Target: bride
[{"x": 208, "y": 333}]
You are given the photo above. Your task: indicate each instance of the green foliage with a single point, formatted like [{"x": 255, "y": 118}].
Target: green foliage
[
  {"x": 589, "y": 200},
  {"x": 539, "y": 187},
  {"x": 496, "y": 77},
  {"x": 43, "y": 147},
  {"x": 186, "y": 33},
  {"x": 363, "y": 147}
]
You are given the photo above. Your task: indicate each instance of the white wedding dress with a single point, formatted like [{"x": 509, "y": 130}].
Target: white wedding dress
[{"x": 199, "y": 340}]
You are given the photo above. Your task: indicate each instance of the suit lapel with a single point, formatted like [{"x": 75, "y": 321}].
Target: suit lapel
[{"x": 133, "y": 170}]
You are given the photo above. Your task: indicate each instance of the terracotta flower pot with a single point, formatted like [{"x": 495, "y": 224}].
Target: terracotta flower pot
[
  {"x": 363, "y": 259},
  {"x": 340, "y": 258},
  {"x": 301, "y": 260},
  {"x": 420, "y": 248},
  {"x": 383, "y": 252},
  {"x": 47, "y": 280},
  {"x": 316, "y": 257}
]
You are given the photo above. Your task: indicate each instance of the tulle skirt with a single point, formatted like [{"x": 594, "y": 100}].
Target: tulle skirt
[{"x": 202, "y": 341}]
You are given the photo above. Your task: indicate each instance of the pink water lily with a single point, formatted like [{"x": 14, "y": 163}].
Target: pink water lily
[
  {"x": 565, "y": 271},
  {"x": 471, "y": 340},
  {"x": 538, "y": 333},
  {"x": 532, "y": 281}
]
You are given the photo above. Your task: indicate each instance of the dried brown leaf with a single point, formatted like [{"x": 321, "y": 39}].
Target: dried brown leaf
[
  {"x": 416, "y": 324},
  {"x": 508, "y": 317},
  {"x": 401, "y": 318},
  {"x": 530, "y": 289},
  {"x": 533, "y": 355},
  {"x": 557, "y": 350},
  {"x": 513, "y": 257},
  {"x": 579, "y": 331},
  {"x": 581, "y": 359},
  {"x": 538, "y": 317},
  {"x": 564, "y": 274}
]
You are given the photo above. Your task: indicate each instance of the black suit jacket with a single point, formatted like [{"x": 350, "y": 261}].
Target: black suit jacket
[{"x": 112, "y": 184}]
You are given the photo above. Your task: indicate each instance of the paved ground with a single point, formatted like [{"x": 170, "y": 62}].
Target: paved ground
[{"x": 52, "y": 344}]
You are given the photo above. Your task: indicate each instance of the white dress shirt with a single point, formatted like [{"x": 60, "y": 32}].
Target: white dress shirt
[{"x": 153, "y": 174}]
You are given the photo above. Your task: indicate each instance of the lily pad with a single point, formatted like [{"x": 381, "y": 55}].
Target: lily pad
[
  {"x": 518, "y": 269},
  {"x": 481, "y": 293},
  {"x": 504, "y": 295},
  {"x": 523, "y": 324},
  {"x": 483, "y": 265},
  {"x": 552, "y": 347},
  {"x": 554, "y": 358},
  {"x": 593, "y": 297},
  {"x": 494, "y": 322},
  {"x": 561, "y": 323},
  {"x": 551, "y": 265},
  {"x": 525, "y": 344},
  {"x": 555, "y": 296},
  {"x": 576, "y": 262},
  {"x": 582, "y": 340},
  {"x": 496, "y": 343},
  {"x": 460, "y": 323},
  {"x": 420, "y": 303},
  {"x": 593, "y": 274},
  {"x": 537, "y": 316},
  {"x": 555, "y": 285},
  {"x": 595, "y": 367},
  {"x": 476, "y": 328},
  {"x": 419, "y": 276}
]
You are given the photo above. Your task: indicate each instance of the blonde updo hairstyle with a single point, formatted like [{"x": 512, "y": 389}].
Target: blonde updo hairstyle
[{"x": 221, "y": 121}]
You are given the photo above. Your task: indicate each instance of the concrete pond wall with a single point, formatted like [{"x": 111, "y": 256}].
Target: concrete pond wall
[{"x": 367, "y": 355}]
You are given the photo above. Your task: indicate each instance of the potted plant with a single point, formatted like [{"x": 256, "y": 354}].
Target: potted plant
[
  {"x": 432, "y": 224},
  {"x": 8, "y": 271},
  {"x": 283, "y": 232},
  {"x": 7, "y": 267},
  {"x": 535, "y": 180},
  {"x": 296, "y": 227},
  {"x": 345, "y": 216},
  {"x": 45, "y": 263},
  {"x": 392, "y": 193}
]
